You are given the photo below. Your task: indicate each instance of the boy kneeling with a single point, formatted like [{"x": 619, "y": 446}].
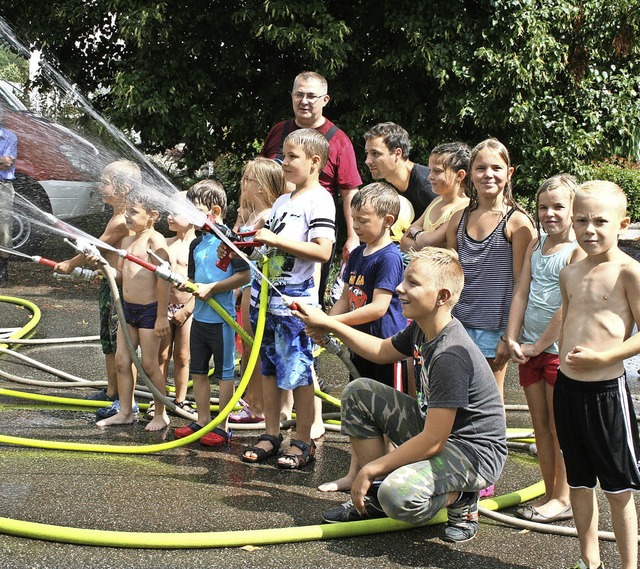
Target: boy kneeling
[{"x": 451, "y": 439}]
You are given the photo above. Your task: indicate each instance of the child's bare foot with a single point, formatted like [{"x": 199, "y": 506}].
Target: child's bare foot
[
  {"x": 118, "y": 419},
  {"x": 341, "y": 485},
  {"x": 159, "y": 422},
  {"x": 317, "y": 429}
]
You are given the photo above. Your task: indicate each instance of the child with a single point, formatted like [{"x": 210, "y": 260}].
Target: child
[
  {"x": 299, "y": 233},
  {"x": 369, "y": 302},
  {"x": 181, "y": 304},
  {"x": 117, "y": 180},
  {"x": 595, "y": 420},
  {"x": 491, "y": 236},
  {"x": 144, "y": 302},
  {"x": 211, "y": 336},
  {"x": 537, "y": 303},
  {"x": 448, "y": 175},
  {"x": 262, "y": 183},
  {"x": 452, "y": 438}
]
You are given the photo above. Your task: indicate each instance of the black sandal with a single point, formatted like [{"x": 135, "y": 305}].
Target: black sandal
[
  {"x": 262, "y": 454},
  {"x": 299, "y": 460},
  {"x": 186, "y": 405}
]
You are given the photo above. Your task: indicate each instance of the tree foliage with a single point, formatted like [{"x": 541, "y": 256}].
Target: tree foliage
[{"x": 556, "y": 80}]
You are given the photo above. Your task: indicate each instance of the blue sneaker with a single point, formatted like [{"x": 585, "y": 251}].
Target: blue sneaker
[
  {"x": 99, "y": 396},
  {"x": 106, "y": 412}
]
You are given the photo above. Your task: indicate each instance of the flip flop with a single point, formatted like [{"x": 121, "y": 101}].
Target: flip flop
[{"x": 529, "y": 513}]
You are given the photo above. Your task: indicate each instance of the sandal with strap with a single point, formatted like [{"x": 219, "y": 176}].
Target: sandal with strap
[
  {"x": 297, "y": 461},
  {"x": 262, "y": 454},
  {"x": 186, "y": 405}
]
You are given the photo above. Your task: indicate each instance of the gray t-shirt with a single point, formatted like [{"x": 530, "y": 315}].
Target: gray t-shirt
[{"x": 455, "y": 374}]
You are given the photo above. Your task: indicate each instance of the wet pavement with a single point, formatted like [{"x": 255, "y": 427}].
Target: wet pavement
[{"x": 194, "y": 489}]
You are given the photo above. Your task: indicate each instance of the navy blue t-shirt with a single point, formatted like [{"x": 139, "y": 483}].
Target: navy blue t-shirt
[{"x": 383, "y": 269}]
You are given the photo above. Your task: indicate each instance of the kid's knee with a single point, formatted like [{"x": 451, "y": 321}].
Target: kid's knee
[
  {"x": 354, "y": 390},
  {"x": 405, "y": 503}
]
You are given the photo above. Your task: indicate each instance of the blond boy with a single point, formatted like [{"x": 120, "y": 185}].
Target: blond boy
[
  {"x": 117, "y": 180},
  {"x": 596, "y": 424},
  {"x": 451, "y": 438},
  {"x": 145, "y": 306}
]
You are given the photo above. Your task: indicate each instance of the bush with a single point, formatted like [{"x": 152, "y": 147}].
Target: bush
[{"x": 623, "y": 172}]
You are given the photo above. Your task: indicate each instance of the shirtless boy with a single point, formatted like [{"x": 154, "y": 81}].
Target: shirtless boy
[
  {"x": 595, "y": 420},
  {"x": 145, "y": 305},
  {"x": 117, "y": 180}
]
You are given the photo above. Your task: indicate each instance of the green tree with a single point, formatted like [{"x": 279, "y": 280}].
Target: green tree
[{"x": 556, "y": 80}]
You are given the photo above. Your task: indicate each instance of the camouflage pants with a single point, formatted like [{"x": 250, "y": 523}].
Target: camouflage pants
[{"x": 416, "y": 492}]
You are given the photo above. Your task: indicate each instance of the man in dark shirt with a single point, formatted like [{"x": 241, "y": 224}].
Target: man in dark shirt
[{"x": 387, "y": 149}]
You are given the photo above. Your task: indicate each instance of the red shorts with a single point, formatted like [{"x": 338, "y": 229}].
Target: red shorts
[{"x": 545, "y": 366}]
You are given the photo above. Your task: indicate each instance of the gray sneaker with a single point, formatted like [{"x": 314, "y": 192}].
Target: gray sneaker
[
  {"x": 106, "y": 412},
  {"x": 347, "y": 512},
  {"x": 463, "y": 518}
]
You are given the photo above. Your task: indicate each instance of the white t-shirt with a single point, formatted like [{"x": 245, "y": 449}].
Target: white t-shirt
[{"x": 308, "y": 216}]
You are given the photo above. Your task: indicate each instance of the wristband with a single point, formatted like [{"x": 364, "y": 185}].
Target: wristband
[
  {"x": 503, "y": 339},
  {"x": 415, "y": 235}
]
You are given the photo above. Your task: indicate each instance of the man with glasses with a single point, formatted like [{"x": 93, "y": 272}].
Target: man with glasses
[
  {"x": 8, "y": 155},
  {"x": 309, "y": 97}
]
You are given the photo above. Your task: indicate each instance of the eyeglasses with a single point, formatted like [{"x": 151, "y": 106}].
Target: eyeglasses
[{"x": 313, "y": 99}]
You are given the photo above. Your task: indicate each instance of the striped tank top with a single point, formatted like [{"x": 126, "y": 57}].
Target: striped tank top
[{"x": 488, "y": 277}]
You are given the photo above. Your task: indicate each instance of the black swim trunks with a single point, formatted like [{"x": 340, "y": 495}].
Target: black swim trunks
[{"x": 140, "y": 315}]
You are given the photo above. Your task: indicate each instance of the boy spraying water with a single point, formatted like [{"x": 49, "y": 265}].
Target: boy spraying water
[
  {"x": 117, "y": 180},
  {"x": 145, "y": 305}
]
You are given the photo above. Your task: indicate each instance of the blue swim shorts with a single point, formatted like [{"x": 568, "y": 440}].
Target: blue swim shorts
[{"x": 286, "y": 351}]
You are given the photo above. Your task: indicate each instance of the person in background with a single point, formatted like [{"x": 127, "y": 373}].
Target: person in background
[
  {"x": 181, "y": 304},
  {"x": 309, "y": 97},
  {"x": 387, "y": 148},
  {"x": 8, "y": 155},
  {"x": 262, "y": 183},
  {"x": 449, "y": 177}
]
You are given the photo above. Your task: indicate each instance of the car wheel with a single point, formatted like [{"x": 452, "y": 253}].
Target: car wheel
[{"x": 27, "y": 236}]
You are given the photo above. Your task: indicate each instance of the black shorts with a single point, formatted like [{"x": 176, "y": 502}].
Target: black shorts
[
  {"x": 209, "y": 340},
  {"x": 598, "y": 433}
]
